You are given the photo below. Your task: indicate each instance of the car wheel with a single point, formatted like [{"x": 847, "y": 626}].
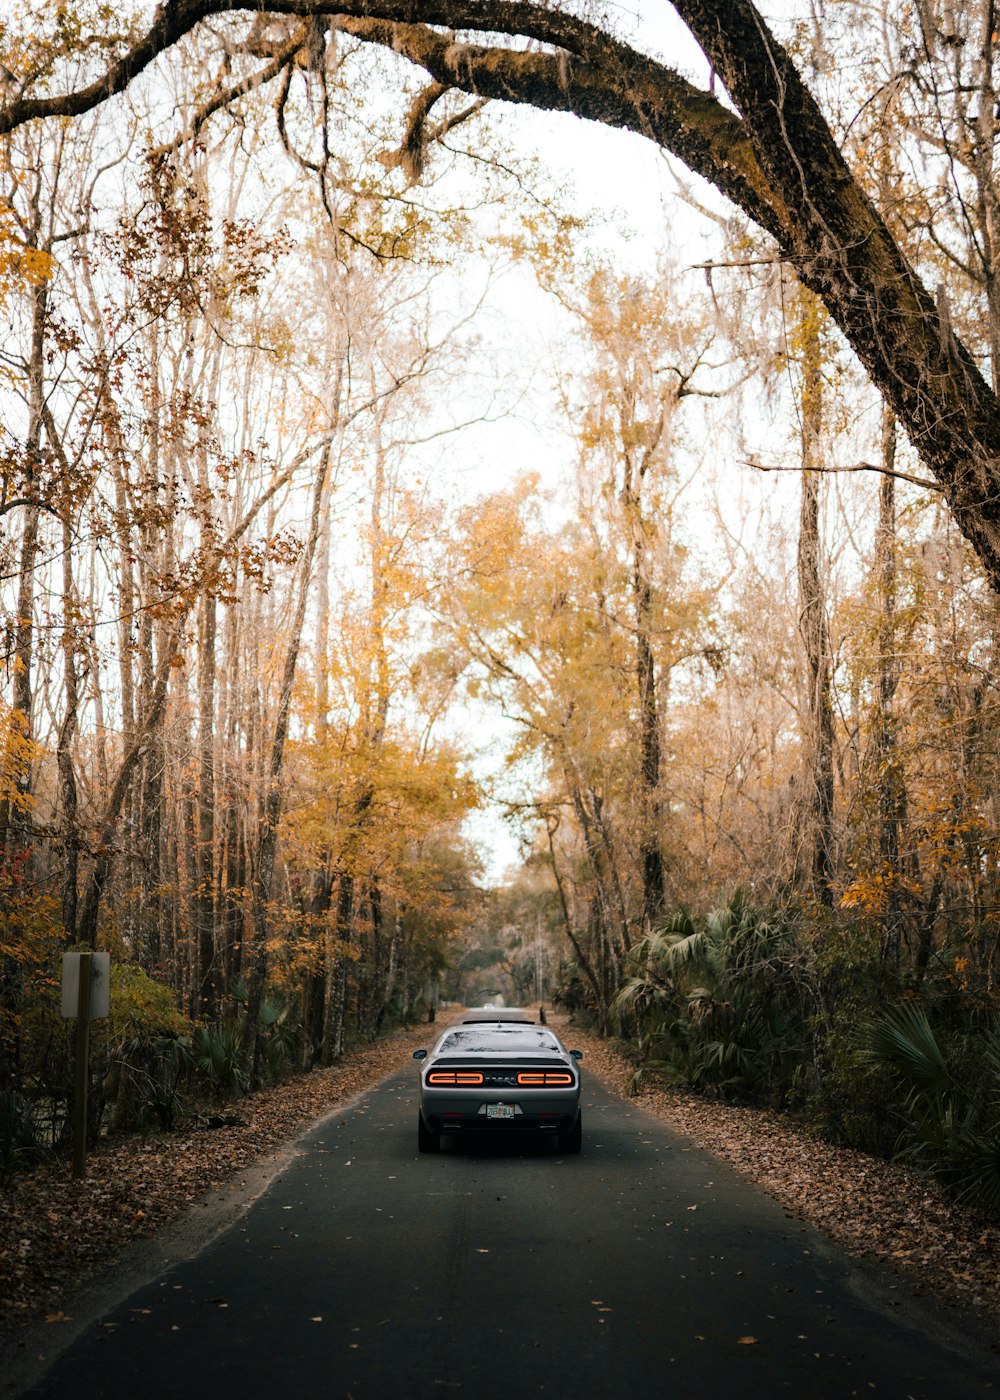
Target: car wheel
[
  {"x": 427, "y": 1141},
  {"x": 572, "y": 1141}
]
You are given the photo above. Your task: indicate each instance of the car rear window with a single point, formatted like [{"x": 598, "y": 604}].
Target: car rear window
[{"x": 506, "y": 1040}]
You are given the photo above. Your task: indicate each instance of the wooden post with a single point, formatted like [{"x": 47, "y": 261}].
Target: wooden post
[{"x": 82, "y": 1066}]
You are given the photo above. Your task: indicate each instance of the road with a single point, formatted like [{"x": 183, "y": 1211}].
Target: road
[{"x": 643, "y": 1268}]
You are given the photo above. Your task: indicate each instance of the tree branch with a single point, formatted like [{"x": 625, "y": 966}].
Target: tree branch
[
  {"x": 925, "y": 481},
  {"x": 775, "y": 157}
]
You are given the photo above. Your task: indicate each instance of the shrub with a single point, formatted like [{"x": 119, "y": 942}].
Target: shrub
[
  {"x": 947, "y": 1124},
  {"x": 717, "y": 1002}
]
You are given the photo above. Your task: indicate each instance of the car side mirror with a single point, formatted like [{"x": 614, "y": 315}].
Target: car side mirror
[
  {"x": 420, "y": 1054},
  {"x": 577, "y": 1054}
]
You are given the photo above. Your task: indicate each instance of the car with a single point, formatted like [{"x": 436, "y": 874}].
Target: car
[{"x": 499, "y": 1076}]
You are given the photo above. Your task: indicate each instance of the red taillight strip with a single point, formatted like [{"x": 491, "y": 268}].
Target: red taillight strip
[
  {"x": 545, "y": 1076},
  {"x": 454, "y": 1076}
]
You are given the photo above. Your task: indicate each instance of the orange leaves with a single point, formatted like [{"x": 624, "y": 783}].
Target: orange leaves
[
  {"x": 870, "y": 891},
  {"x": 30, "y": 939},
  {"x": 18, "y": 751}
]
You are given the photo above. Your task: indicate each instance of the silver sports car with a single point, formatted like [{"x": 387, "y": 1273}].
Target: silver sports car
[{"x": 499, "y": 1075}]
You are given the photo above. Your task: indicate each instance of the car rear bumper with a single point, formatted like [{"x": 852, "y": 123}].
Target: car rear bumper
[{"x": 447, "y": 1114}]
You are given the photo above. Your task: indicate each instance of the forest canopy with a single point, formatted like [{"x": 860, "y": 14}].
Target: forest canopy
[{"x": 356, "y": 481}]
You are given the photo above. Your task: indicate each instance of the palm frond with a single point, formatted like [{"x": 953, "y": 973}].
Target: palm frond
[
  {"x": 991, "y": 1052},
  {"x": 637, "y": 995},
  {"x": 902, "y": 1037}
]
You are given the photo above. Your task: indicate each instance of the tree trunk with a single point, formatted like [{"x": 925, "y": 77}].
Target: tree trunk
[
  {"x": 336, "y": 1019},
  {"x": 14, "y": 808},
  {"x": 602, "y": 898},
  {"x": 651, "y": 848},
  {"x": 262, "y": 871},
  {"x": 318, "y": 975},
  {"x": 373, "y": 1011},
  {"x": 207, "y": 981},
  {"x": 151, "y": 721},
  {"x": 812, "y": 619},
  {"x": 71, "y": 650},
  {"x": 891, "y": 788}
]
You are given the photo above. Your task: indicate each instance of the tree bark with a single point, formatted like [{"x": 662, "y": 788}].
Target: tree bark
[
  {"x": 67, "y": 731},
  {"x": 336, "y": 1017},
  {"x": 813, "y": 625},
  {"x": 650, "y": 842},
  {"x": 14, "y": 807},
  {"x": 207, "y": 981},
  {"x": 374, "y": 1009},
  {"x": 891, "y": 786}
]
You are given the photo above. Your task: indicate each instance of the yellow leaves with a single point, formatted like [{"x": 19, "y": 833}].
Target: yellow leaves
[
  {"x": 30, "y": 937},
  {"x": 138, "y": 1004},
  {"x": 18, "y": 751},
  {"x": 20, "y": 265}
]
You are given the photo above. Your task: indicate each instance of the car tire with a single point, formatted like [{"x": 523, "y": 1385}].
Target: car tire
[
  {"x": 572, "y": 1140},
  {"x": 427, "y": 1140}
]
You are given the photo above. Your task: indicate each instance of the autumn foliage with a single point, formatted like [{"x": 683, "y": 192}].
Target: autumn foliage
[{"x": 315, "y": 556}]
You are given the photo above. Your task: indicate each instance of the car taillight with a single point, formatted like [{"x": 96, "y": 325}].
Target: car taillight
[
  {"x": 454, "y": 1076},
  {"x": 543, "y": 1077}
]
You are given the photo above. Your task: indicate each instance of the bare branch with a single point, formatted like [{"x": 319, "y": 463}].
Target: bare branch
[
  {"x": 264, "y": 75},
  {"x": 926, "y": 482}
]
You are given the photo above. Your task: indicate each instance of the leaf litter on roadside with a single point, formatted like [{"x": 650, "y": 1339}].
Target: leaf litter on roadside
[
  {"x": 881, "y": 1210},
  {"x": 55, "y": 1231}
]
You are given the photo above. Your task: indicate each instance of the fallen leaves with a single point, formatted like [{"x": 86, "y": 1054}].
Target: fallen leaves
[
  {"x": 871, "y": 1208},
  {"x": 55, "y": 1232}
]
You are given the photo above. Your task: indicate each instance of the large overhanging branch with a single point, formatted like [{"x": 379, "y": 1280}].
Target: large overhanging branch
[
  {"x": 775, "y": 158},
  {"x": 618, "y": 87}
]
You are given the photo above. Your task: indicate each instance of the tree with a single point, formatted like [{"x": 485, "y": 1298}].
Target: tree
[
  {"x": 646, "y": 351},
  {"x": 813, "y": 625},
  {"x": 575, "y": 630},
  {"x": 774, "y": 156}
]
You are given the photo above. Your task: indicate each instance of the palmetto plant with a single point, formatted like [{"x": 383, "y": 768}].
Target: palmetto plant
[
  {"x": 279, "y": 1034},
  {"x": 215, "y": 1051},
  {"x": 952, "y": 1128},
  {"x": 715, "y": 1001},
  {"x": 144, "y": 1076}
]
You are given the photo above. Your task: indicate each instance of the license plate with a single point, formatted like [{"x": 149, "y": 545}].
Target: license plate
[{"x": 499, "y": 1110}]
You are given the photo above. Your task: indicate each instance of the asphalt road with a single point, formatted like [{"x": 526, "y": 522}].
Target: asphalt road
[{"x": 642, "y": 1268}]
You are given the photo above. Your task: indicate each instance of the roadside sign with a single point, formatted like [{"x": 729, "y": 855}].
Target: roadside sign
[
  {"x": 100, "y": 985},
  {"x": 86, "y": 994}
]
